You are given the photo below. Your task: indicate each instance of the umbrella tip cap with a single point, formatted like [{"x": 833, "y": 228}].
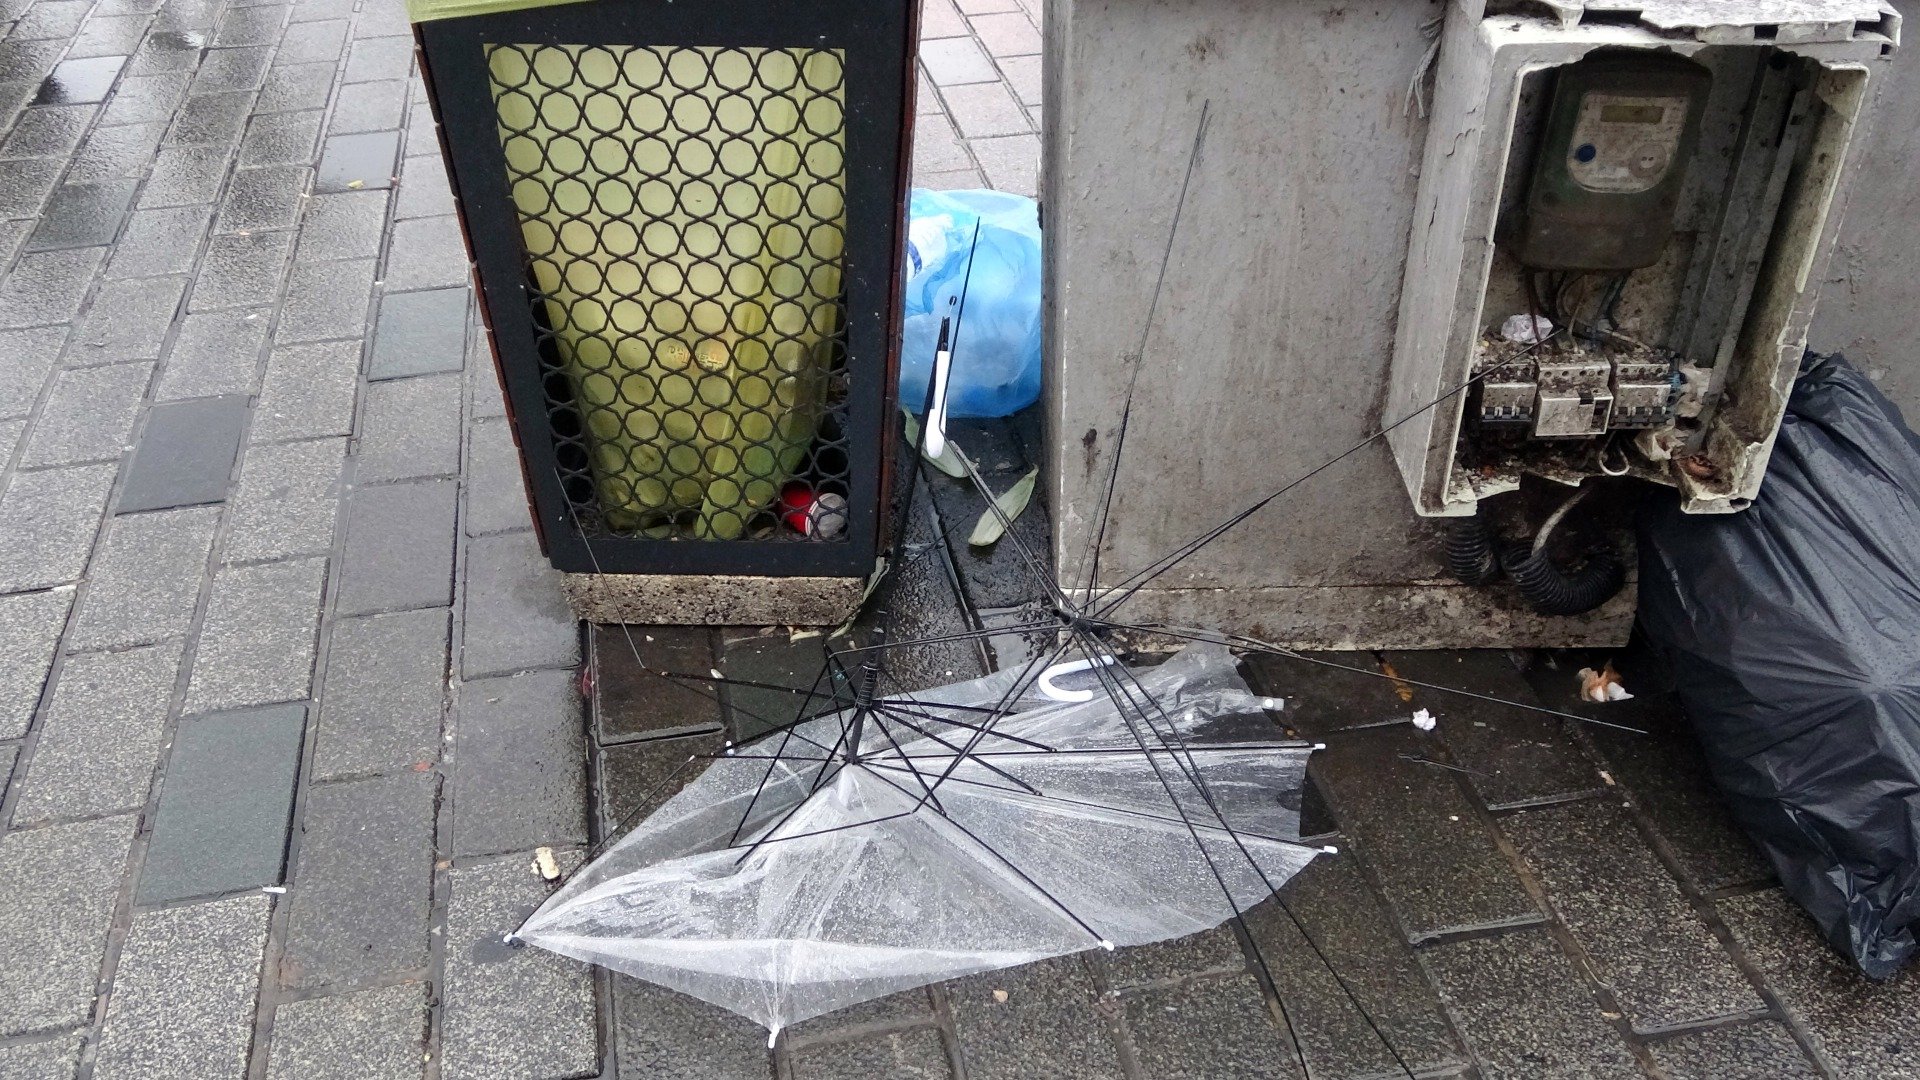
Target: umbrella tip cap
[
  {"x": 772, "y": 1036},
  {"x": 1330, "y": 850},
  {"x": 1107, "y": 945},
  {"x": 1274, "y": 703}
]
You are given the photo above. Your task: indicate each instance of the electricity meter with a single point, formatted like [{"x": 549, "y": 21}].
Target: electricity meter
[{"x": 1607, "y": 176}]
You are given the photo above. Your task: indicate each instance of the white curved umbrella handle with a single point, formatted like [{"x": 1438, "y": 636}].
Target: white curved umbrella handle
[
  {"x": 1068, "y": 668},
  {"x": 936, "y": 436}
]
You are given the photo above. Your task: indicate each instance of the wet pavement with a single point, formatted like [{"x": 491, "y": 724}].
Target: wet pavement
[{"x": 288, "y": 696}]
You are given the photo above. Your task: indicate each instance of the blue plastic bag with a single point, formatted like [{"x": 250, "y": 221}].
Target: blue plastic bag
[{"x": 996, "y": 358}]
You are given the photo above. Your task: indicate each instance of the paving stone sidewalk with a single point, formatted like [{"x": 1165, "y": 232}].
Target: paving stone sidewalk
[{"x": 288, "y": 697}]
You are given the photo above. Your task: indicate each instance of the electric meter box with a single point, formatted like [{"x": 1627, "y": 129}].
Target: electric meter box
[{"x": 1618, "y": 237}]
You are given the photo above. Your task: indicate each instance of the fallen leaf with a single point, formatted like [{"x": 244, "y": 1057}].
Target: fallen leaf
[
  {"x": 949, "y": 460},
  {"x": 1000, "y": 995},
  {"x": 992, "y": 526},
  {"x": 1405, "y": 691},
  {"x": 356, "y": 185}
]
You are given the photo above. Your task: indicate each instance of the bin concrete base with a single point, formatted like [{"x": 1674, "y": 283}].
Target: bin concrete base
[{"x": 714, "y": 600}]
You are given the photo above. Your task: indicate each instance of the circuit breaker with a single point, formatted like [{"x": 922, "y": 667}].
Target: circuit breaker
[{"x": 1617, "y": 244}]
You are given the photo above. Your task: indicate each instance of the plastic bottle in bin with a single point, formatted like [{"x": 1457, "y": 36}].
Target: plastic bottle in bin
[{"x": 996, "y": 358}]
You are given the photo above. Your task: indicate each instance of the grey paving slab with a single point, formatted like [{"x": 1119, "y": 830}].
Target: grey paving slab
[
  {"x": 30, "y": 625},
  {"x": 372, "y": 1033},
  {"x": 938, "y": 19},
  {"x": 343, "y": 225},
  {"x": 1023, "y": 77},
  {"x": 225, "y": 804},
  {"x": 185, "y": 176},
  {"x": 211, "y": 120},
  {"x": 78, "y": 81},
  {"x": 419, "y": 333},
  {"x": 51, "y": 19},
  {"x": 1525, "y": 1010},
  {"x": 1052, "y": 1023},
  {"x": 88, "y": 415},
  {"x": 312, "y": 43},
  {"x": 517, "y": 618},
  {"x": 1436, "y": 862},
  {"x": 12, "y": 235},
  {"x": 287, "y": 501},
  {"x": 241, "y": 271},
  {"x": 10, "y": 433},
  {"x": 1864, "y": 1028},
  {"x": 9, "y": 754},
  {"x": 308, "y": 391},
  {"x": 427, "y": 253},
  {"x": 109, "y": 36},
  {"x": 167, "y": 50},
  {"x": 634, "y": 779},
  {"x": 380, "y": 58},
  {"x": 48, "y": 131},
  {"x": 47, "y": 523},
  {"x": 25, "y": 185},
  {"x": 1645, "y": 939},
  {"x": 662, "y": 1033},
  {"x": 116, "y": 153},
  {"x": 510, "y": 1014},
  {"x": 27, "y": 60},
  {"x": 424, "y": 190},
  {"x": 263, "y": 198},
  {"x": 185, "y": 454},
  {"x": 519, "y": 777},
  {"x": 383, "y": 20},
  {"x": 250, "y": 26},
  {"x": 57, "y": 1058},
  {"x": 382, "y": 696},
  {"x": 26, "y": 359},
  {"x": 326, "y": 300},
  {"x": 1347, "y": 979},
  {"x": 224, "y": 70},
  {"x": 496, "y": 489},
  {"x": 1213, "y": 951},
  {"x": 356, "y": 162},
  {"x": 399, "y": 551},
  {"x": 285, "y": 138},
  {"x": 363, "y": 884},
  {"x": 102, "y": 735},
  {"x": 912, "y": 1055},
  {"x": 1209, "y": 1028},
  {"x": 1764, "y": 1050},
  {"x": 183, "y": 995},
  {"x": 955, "y": 61},
  {"x": 369, "y": 106},
  {"x": 322, "y": 10},
  {"x": 1011, "y": 163},
  {"x": 47, "y": 287},
  {"x": 983, "y": 110},
  {"x": 773, "y": 660},
  {"x": 296, "y": 86},
  {"x": 163, "y": 240},
  {"x": 127, "y": 320},
  {"x": 61, "y": 884},
  {"x": 257, "y": 644},
  {"x": 409, "y": 428},
  {"x": 145, "y": 582},
  {"x": 631, "y": 700}
]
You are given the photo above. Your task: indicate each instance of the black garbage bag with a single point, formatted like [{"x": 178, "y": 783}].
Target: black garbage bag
[{"x": 1792, "y": 631}]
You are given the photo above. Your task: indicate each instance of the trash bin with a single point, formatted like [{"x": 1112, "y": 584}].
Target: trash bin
[{"x": 685, "y": 222}]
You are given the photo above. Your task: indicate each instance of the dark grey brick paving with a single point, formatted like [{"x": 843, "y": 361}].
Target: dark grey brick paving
[
  {"x": 917, "y": 1054},
  {"x": 1524, "y": 1010},
  {"x": 380, "y": 58},
  {"x": 419, "y": 333},
  {"x": 359, "y": 1036},
  {"x": 290, "y": 138},
  {"x": 326, "y": 300},
  {"x": 116, "y": 152},
  {"x": 185, "y": 176},
  {"x": 1209, "y": 1028},
  {"x": 225, "y": 804},
  {"x": 1518, "y": 756},
  {"x": 381, "y": 698},
  {"x": 263, "y": 198},
  {"x": 88, "y": 416},
  {"x": 128, "y": 320},
  {"x": 25, "y": 185},
  {"x": 312, "y": 43},
  {"x": 308, "y": 391},
  {"x": 424, "y": 191},
  {"x": 1435, "y": 860},
  {"x": 61, "y": 884},
  {"x": 30, "y": 625},
  {"x": 159, "y": 241},
  {"x": 182, "y": 1006},
  {"x": 55, "y": 1057},
  {"x": 1052, "y": 1023},
  {"x": 427, "y": 253},
  {"x": 241, "y": 271},
  {"x": 631, "y": 702},
  {"x": 109, "y": 35},
  {"x": 232, "y": 69},
  {"x": 250, "y": 26},
  {"x": 26, "y": 358},
  {"x": 143, "y": 585},
  {"x": 774, "y": 659},
  {"x": 48, "y": 131},
  {"x": 409, "y": 428},
  {"x": 286, "y": 501},
  {"x": 637, "y": 778},
  {"x": 519, "y": 777},
  {"x": 1213, "y": 951},
  {"x": 345, "y": 225},
  {"x": 510, "y": 1014},
  {"x": 661, "y": 1033},
  {"x": 516, "y": 617},
  {"x": 363, "y": 883},
  {"x": 369, "y": 106},
  {"x": 185, "y": 454},
  {"x": 80, "y": 80},
  {"x": 102, "y": 734},
  {"x": 47, "y": 287},
  {"x": 399, "y": 547},
  {"x": 1757, "y": 1051},
  {"x": 295, "y": 86},
  {"x": 356, "y": 162},
  {"x": 47, "y": 523},
  {"x": 1645, "y": 940},
  {"x": 257, "y": 644},
  {"x": 496, "y": 489},
  {"x": 210, "y": 120}
]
